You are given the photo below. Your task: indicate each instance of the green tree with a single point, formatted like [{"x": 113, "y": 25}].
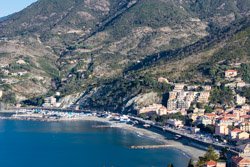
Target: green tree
[
  {"x": 221, "y": 95},
  {"x": 208, "y": 109},
  {"x": 245, "y": 70},
  {"x": 209, "y": 155}
]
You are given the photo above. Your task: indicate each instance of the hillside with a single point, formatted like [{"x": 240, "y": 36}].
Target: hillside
[
  {"x": 194, "y": 68},
  {"x": 86, "y": 46}
]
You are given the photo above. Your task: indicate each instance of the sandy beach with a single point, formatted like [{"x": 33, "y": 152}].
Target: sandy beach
[{"x": 189, "y": 151}]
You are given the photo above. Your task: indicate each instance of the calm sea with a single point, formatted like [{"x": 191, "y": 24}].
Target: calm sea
[{"x": 77, "y": 144}]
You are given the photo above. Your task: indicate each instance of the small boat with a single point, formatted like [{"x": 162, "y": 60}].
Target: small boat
[
  {"x": 146, "y": 126},
  {"x": 177, "y": 137}
]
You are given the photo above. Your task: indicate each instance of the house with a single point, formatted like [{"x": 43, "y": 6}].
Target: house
[
  {"x": 221, "y": 130},
  {"x": 241, "y": 84},
  {"x": 243, "y": 136},
  {"x": 209, "y": 118},
  {"x": 245, "y": 118},
  {"x": 50, "y": 102},
  {"x": 199, "y": 110},
  {"x": 204, "y": 97},
  {"x": 207, "y": 88},
  {"x": 246, "y": 107},
  {"x": 226, "y": 121},
  {"x": 240, "y": 100},
  {"x": 245, "y": 126},
  {"x": 179, "y": 87},
  {"x": 206, "y": 120},
  {"x": 175, "y": 123},
  {"x": 230, "y": 73},
  {"x": 233, "y": 133},
  {"x": 221, "y": 164},
  {"x": 172, "y": 104},
  {"x": 211, "y": 163},
  {"x": 58, "y": 94},
  {"x": 20, "y": 61},
  {"x": 163, "y": 80},
  {"x": 240, "y": 162},
  {"x": 154, "y": 109},
  {"x": 195, "y": 129}
]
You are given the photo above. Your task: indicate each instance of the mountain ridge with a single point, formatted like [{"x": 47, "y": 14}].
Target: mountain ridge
[{"x": 86, "y": 43}]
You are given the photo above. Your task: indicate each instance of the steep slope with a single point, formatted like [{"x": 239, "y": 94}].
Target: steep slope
[
  {"x": 191, "y": 68},
  {"x": 75, "y": 45}
]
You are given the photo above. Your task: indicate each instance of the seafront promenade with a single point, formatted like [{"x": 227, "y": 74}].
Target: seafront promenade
[{"x": 152, "y": 126}]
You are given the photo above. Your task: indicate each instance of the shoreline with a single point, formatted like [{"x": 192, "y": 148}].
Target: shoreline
[{"x": 187, "y": 150}]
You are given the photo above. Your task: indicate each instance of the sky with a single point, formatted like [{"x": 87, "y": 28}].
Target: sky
[{"x": 11, "y": 6}]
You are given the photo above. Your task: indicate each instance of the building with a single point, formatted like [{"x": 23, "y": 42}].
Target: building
[
  {"x": 154, "y": 109},
  {"x": 211, "y": 163},
  {"x": 50, "y": 102},
  {"x": 241, "y": 84},
  {"x": 172, "y": 104},
  {"x": 242, "y": 136},
  {"x": 226, "y": 121},
  {"x": 245, "y": 126},
  {"x": 206, "y": 121},
  {"x": 240, "y": 100},
  {"x": 207, "y": 88},
  {"x": 204, "y": 97},
  {"x": 234, "y": 133},
  {"x": 194, "y": 129},
  {"x": 245, "y": 118},
  {"x": 20, "y": 61},
  {"x": 221, "y": 164},
  {"x": 240, "y": 162},
  {"x": 221, "y": 130},
  {"x": 179, "y": 86},
  {"x": 163, "y": 80},
  {"x": 58, "y": 94},
  {"x": 175, "y": 123},
  {"x": 230, "y": 73},
  {"x": 1, "y": 94}
]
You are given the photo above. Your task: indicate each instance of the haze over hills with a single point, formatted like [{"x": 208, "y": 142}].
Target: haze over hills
[{"x": 101, "y": 50}]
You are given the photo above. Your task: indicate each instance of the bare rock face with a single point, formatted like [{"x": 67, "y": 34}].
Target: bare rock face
[
  {"x": 98, "y": 5},
  {"x": 143, "y": 100},
  {"x": 85, "y": 15},
  {"x": 86, "y": 42}
]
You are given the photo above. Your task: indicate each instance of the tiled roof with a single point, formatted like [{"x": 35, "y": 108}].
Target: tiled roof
[{"x": 211, "y": 163}]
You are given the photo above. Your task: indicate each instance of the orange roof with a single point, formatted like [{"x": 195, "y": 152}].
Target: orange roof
[
  {"x": 211, "y": 163},
  {"x": 224, "y": 119},
  {"x": 231, "y": 71},
  {"x": 236, "y": 130},
  {"x": 230, "y": 115},
  {"x": 210, "y": 115}
]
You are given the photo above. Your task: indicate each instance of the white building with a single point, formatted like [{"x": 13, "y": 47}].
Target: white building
[
  {"x": 159, "y": 109},
  {"x": 240, "y": 100},
  {"x": 1, "y": 94},
  {"x": 231, "y": 73},
  {"x": 175, "y": 123},
  {"x": 50, "y": 102}
]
